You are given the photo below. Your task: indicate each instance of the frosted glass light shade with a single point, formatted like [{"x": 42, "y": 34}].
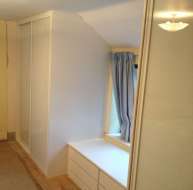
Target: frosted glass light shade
[{"x": 173, "y": 26}]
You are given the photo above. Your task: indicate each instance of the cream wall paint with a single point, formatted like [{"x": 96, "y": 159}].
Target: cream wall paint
[
  {"x": 166, "y": 146},
  {"x": 78, "y": 85},
  {"x": 13, "y": 77}
]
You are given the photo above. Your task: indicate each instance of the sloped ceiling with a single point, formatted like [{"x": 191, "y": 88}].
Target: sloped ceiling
[
  {"x": 117, "y": 21},
  {"x": 119, "y": 24}
]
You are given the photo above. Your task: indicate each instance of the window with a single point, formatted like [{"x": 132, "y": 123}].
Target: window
[
  {"x": 114, "y": 128},
  {"x": 114, "y": 121}
]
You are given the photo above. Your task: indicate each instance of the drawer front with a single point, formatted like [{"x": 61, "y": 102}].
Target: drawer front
[
  {"x": 77, "y": 181},
  {"x": 91, "y": 169},
  {"x": 82, "y": 175},
  {"x": 109, "y": 183},
  {"x": 101, "y": 187}
]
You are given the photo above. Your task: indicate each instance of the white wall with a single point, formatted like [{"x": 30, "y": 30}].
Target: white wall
[
  {"x": 13, "y": 77},
  {"x": 119, "y": 24},
  {"x": 79, "y": 79},
  {"x": 166, "y": 152}
]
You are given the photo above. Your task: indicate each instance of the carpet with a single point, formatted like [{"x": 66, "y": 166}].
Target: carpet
[{"x": 13, "y": 174}]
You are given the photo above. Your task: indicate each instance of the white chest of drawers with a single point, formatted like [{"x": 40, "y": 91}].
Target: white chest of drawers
[{"x": 92, "y": 167}]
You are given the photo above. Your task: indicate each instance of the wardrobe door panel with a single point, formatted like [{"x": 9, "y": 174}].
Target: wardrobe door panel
[
  {"x": 25, "y": 36},
  {"x": 3, "y": 81},
  {"x": 39, "y": 85}
]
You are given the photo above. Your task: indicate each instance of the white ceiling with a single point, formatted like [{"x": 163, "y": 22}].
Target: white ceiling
[
  {"x": 117, "y": 21},
  {"x": 119, "y": 24}
]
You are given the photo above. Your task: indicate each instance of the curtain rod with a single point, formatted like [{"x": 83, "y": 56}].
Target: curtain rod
[
  {"x": 135, "y": 51},
  {"x": 129, "y": 50}
]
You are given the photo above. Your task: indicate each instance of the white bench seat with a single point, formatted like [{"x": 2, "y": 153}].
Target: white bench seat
[{"x": 105, "y": 163}]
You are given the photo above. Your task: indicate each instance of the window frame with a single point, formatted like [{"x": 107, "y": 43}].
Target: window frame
[{"x": 113, "y": 137}]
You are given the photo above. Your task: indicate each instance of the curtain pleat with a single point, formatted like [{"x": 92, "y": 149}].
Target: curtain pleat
[{"x": 123, "y": 70}]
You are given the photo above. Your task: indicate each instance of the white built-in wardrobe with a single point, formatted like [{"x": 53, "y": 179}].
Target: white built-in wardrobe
[
  {"x": 3, "y": 81},
  {"x": 64, "y": 69},
  {"x": 35, "y": 67}
]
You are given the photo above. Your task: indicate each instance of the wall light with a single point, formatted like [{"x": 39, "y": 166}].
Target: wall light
[{"x": 172, "y": 25}]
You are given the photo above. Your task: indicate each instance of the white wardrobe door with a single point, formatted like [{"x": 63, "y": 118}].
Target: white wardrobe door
[
  {"x": 39, "y": 85},
  {"x": 3, "y": 81},
  {"x": 25, "y": 36}
]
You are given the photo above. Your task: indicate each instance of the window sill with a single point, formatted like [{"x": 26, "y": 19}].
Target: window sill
[{"x": 116, "y": 140}]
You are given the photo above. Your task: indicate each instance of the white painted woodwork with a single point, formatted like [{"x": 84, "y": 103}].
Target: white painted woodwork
[
  {"x": 109, "y": 183},
  {"x": 40, "y": 89},
  {"x": 104, "y": 157},
  {"x": 126, "y": 50},
  {"x": 101, "y": 187},
  {"x": 14, "y": 77},
  {"x": 77, "y": 180},
  {"x": 35, "y": 49},
  {"x": 25, "y": 43},
  {"x": 83, "y": 162},
  {"x": 83, "y": 174},
  {"x": 3, "y": 81}
]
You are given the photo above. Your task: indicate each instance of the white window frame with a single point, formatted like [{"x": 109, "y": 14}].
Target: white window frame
[{"x": 113, "y": 138}]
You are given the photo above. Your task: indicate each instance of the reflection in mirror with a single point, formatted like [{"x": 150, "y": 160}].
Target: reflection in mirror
[
  {"x": 162, "y": 154},
  {"x": 97, "y": 95},
  {"x": 120, "y": 25},
  {"x": 77, "y": 86}
]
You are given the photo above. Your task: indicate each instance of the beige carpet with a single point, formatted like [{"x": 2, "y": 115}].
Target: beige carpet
[{"x": 13, "y": 175}]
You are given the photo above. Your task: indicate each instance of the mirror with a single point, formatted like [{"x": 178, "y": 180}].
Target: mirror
[{"x": 162, "y": 148}]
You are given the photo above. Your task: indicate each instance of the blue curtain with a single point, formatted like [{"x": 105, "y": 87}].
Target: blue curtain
[{"x": 123, "y": 73}]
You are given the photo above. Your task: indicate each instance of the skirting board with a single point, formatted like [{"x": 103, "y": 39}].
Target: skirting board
[
  {"x": 11, "y": 136},
  {"x": 25, "y": 148},
  {"x": 55, "y": 183}
]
